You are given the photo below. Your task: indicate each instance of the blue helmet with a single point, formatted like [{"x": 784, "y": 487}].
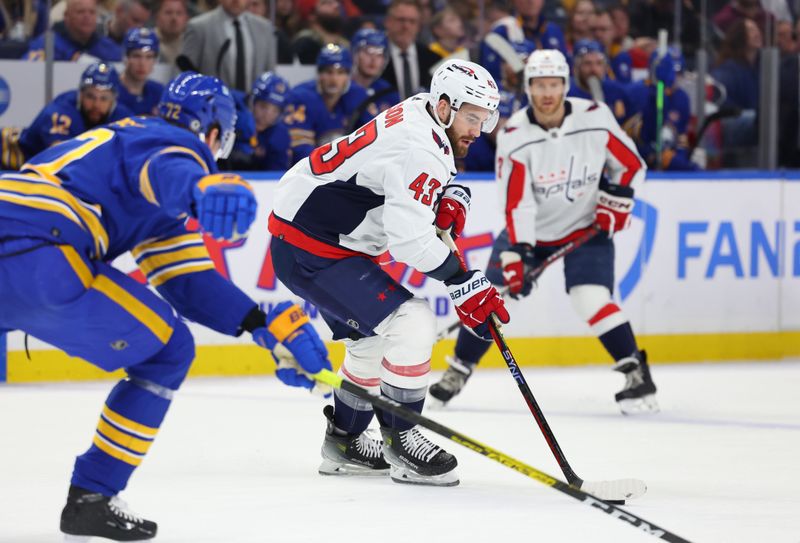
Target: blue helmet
[
  {"x": 141, "y": 38},
  {"x": 101, "y": 75},
  {"x": 666, "y": 69},
  {"x": 584, "y": 47},
  {"x": 200, "y": 103},
  {"x": 272, "y": 88},
  {"x": 335, "y": 55},
  {"x": 369, "y": 37}
]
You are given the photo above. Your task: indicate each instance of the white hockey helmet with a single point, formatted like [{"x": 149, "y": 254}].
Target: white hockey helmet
[
  {"x": 547, "y": 63},
  {"x": 464, "y": 82}
]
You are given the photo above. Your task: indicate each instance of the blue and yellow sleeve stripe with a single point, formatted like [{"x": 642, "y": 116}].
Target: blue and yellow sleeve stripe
[
  {"x": 38, "y": 193},
  {"x": 146, "y": 185},
  {"x": 162, "y": 260},
  {"x": 122, "y": 438}
]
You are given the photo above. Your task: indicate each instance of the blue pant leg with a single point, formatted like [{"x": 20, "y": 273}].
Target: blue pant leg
[
  {"x": 591, "y": 264},
  {"x": 89, "y": 309}
]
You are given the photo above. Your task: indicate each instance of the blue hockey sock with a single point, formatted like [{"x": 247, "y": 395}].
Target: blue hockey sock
[
  {"x": 620, "y": 341},
  {"x": 413, "y": 399},
  {"x": 128, "y": 424},
  {"x": 351, "y": 414}
]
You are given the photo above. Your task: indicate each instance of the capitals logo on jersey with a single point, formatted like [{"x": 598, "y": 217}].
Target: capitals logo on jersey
[
  {"x": 564, "y": 182},
  {"x": 440, "y": 142}
]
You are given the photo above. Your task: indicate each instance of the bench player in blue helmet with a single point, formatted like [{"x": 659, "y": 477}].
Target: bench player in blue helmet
[
  {"x": 370, "y": 49},
  {"x": 136, "y": 92},
  {"x": 75, "y": 111},
  {"x": 130, "y": 186},
  {"x": 267, "y": 102},
  {"x": 321, "y": 110},
  {"x": 589, "y": 60}
]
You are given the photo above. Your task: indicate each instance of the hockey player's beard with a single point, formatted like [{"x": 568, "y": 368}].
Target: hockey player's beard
[{"x": 460, "y": 143}]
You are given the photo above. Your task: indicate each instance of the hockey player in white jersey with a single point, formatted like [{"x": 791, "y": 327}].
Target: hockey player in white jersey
[
  {"x": 385, "y": 187},
  {"x": 564, "y": 166}
]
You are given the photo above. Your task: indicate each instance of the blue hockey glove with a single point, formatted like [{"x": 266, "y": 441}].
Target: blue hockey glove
[
  {"x": 225, "y": 206},
  {"x": 294, "y": 344}
]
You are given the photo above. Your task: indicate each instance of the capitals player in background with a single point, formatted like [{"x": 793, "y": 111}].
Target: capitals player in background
[
  {"x": 386, "y": 187},
  {"x": 129, "y": 186},
  {"x": 267, "y": 102},
  {"x": 73, "y": 112},
  {"x": 320, "y": 110},
  {"x": 551, "y": 161},
  {"x": 136, "y": 92}
]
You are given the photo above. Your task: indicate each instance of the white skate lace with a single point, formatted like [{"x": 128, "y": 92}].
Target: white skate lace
[
  {"x": 418, "y": 445},
  {"x": 369, "y": 447},
  {"x": 120, "y": 509},
  {"x": 634, "y": 379}
]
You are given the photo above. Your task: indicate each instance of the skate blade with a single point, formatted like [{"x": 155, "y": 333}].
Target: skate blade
[
  {"x": 646, "y": 405},
  {"x": 434, "y": 404},
  {"x": 408, "y": 477},
  {"x": 615, "y": 491},
  {"x": 330, "y": 467}
]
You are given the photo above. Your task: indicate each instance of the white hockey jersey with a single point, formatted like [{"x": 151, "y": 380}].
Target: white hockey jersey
[
  {"x": 370, "y": 191},
  {"x": 548, "y": 179}
]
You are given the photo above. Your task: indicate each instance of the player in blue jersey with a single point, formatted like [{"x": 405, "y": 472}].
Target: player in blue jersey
[
  {"x": 589, "y": 61},
  {"x": 481, "y": 157},
  {"x": 620, "y": 63},
  {"x": 529, "y": 24},
  {"x": 267, "y": 101},
  {"x": 322, "y": 109},
  {"x": 74, "y": 112},
  {"x": 676, "y": 113},
  {"x": 139, "y": 94},
  {"x": 130, "y": 186},
  {"x": 370, "y": 49},
  {"x": 77, "y": 36}
]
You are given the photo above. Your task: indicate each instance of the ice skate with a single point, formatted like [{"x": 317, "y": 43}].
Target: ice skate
[
  {"x": 350, "y": 454},
  {"x": 416, "y": 460},
  {"x": 451, "y": 383},
  {"x": 91, "y": 514},
  {"x": 639, "y": 394}
]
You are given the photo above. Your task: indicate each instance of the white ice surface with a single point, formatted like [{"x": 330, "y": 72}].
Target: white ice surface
[{"x": 236, "y": 461}]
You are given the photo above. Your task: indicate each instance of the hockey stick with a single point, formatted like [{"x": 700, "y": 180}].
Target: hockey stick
[
  {"x": 612, "y": 491},
  {"x": 535, "y": 273},
  {"x": 329, "y": 378}
]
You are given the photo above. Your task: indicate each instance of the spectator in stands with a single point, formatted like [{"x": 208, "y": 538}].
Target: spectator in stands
[
  {"x": 230, "y": 43},
  {"x": 77, "y": 36},
  {"x": 579, "y": 25},
  {"x": 789, "y": 112},
  {"x": 447, "y": 28},
  {"x": 76, "y": 111},
  {"x": 589, "y": 65},
  {"x": 285, "y": 51},
  {"x": 737, "y": 10},
  {"x": 326, "y": 25},
  {"x": 127, "y": 14},
  {"x": 258, "y": 7},
  {"x": 370, "y": 50},
  {"x": 737, "y": 70},
  {"x": 21, "y": 20},
  {"x": 410, "y": 61},
  {"x": 267, "y": 101},
  {"x": 326, "y": 107},
  {"x": 287, "y": 18},
  {"x": 619, "y": 64},
  {"x": 622, "y": 29},
  {"x": 136, "y": 92},
  {"x": 528, "y": 23},
  {"x": 650, "y": 16},
  {"x": 786, "y": 38},
  {"x": 171, "y": 18},
  {"x": 643, "y": 125}
]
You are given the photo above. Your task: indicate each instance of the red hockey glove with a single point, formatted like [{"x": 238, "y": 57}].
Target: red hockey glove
[
  {"x": 475, "y": 299},
  {"x": 614, "y": 207},
  {"x": 451, "y": 213},
  {"x": 515, "y": 267}
]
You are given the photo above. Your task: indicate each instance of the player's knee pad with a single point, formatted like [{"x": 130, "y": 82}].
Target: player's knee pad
[
  {"x": 593, "y": 304},
  {"x": 169, "y": 366},
  {"x": 362, "y": 361},
  {"x": 410, "y": 333}
]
